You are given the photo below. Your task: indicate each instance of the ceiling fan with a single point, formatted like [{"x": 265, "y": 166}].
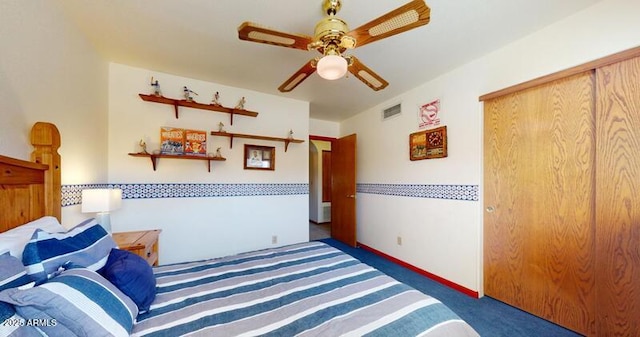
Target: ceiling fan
[{"x": 332, "y": 38}]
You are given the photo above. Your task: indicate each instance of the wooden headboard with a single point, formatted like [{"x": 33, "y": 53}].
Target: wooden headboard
[{"x": 32, "y": 189}]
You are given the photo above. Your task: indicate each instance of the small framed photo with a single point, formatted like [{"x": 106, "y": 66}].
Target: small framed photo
[{"x": 259, "y": 157}]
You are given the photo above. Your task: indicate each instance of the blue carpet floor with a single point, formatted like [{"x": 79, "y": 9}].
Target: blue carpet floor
[{"x": 490, "y": 318}]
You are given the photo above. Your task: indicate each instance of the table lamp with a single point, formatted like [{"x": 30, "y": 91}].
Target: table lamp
[{"x": 101, "y": 201}]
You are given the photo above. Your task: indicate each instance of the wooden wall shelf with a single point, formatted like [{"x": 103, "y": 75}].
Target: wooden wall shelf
[
  {"x": 211, "y": 107},
  {"x": 154, "y": 158},
  {"x": 286, "y": 141}
]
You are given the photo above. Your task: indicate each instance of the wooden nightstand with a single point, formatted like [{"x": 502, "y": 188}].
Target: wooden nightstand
[{"x": 142, "y": 243}]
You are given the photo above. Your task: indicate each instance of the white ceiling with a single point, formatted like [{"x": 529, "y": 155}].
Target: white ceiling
[{"x": 199, "y": 39}]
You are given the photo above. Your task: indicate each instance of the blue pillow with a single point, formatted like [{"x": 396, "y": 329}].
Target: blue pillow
[
  {"x": 132, "y": 275},
  {"x": 87, "y": 245},
  {"x": 79, "y": 301},
  {"x": 10, "y": 321},
  {"x": 12, "y": 275},
  {"x": 6, "y": 311},
  {"x": 12, "y": 272}
]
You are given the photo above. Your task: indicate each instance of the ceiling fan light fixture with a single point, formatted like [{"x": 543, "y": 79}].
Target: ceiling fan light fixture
[{"x": 332, "y": 67}]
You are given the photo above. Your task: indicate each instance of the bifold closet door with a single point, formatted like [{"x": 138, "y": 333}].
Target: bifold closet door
[
  {"x": 539, "y": 200},
  {"x": 618, "y": 199}
]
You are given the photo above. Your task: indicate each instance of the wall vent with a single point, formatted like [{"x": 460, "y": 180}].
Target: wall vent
[
  {"x": 326, "y": 213},
  {"x": 391, "y": 111}
]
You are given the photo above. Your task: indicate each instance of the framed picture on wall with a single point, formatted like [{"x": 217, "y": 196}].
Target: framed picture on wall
[
  {"x": 259, "y": 157},
  {"x": 428, "y": 144}
]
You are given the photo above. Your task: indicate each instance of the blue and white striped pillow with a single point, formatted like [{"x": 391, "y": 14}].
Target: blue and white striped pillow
[
  {"x": 15, "y": 239},
  {"x": 12, "y": 272},
  {"x": 12, "y": 275},
  {"x": 87, "y": 245},
  {"x": 77, "y": 301}
]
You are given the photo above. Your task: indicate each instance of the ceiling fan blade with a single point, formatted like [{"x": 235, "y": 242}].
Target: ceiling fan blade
[
  {"x": 366, "y": 75},
  {"x": 249, "y": 31},
  {"x": 414, "y": 14},
  {"x": 297, "y": 78}
]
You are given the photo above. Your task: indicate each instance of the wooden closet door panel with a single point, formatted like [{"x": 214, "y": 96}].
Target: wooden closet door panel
[
  {"x": 618, "y": 199},
  {"x": 539, "y": 194}
]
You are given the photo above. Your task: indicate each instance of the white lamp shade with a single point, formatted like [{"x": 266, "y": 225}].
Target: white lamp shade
[
  {"x": 101, "y": 200},
  {"x": 332, "y": 67}
]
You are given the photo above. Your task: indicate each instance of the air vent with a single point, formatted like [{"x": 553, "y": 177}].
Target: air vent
[
  {"x": 326, "y": 213},
  {"x": 392, "y": 111}
]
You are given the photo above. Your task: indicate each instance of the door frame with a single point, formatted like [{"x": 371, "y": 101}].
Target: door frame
[
  {"x": 352, "y": 238},
  {"x": 330, "y": 140}
]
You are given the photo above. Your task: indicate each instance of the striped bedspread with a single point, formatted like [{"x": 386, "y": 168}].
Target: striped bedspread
[{"x": 308, "y": 289}]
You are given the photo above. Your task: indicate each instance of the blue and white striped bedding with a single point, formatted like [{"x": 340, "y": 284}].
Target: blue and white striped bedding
[{"x": 308, "y": 289}]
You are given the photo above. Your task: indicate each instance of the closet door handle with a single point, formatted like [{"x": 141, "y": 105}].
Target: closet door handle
[
  {"x": 352, "y": 196},
  {"x": 490, "y": 209}
]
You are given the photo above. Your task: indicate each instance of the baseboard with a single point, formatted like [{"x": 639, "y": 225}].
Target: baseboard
[
  {"x": 422, "y": 272},
  {"x": 319, "y": 223}
]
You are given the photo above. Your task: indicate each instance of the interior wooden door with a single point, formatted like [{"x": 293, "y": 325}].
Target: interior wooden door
[
  {"x": 539, "y": 196},
  {"x": 618, "y": 199},
  {"x": 343, "y": 190}
]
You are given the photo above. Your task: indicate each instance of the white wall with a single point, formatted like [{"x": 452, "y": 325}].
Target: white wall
[
  {"x": 444, "y": 236},
  {"x": 319, "y": 127},
  {"x": 200, "y": 227},
  {"x": 49, "y": 72}
]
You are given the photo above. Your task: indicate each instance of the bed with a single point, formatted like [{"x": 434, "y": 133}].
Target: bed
[{"x": 305, "y": 289}]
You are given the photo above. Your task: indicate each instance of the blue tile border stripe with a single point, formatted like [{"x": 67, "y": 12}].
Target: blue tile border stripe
[
  {"x": 152, "y": 191},
  {"x": 451, "y": 192},
  {"x": 72, "y": 194}
]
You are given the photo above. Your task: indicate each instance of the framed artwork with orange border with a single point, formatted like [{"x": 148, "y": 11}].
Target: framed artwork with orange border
[{"x": 428, "y": 144}]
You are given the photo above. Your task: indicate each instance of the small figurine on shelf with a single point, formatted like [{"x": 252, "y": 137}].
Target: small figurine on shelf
[
  {"x": 216, "y": 99},
  {"x": 143, "y": 145},
  {"x": 290, "y": 137},
  {"x": 241, "y": 103},
  {"x": 221, "y": 127},
  {"x": 156, "y": 87},
  {"x": 218, "y": 153},
  {"x": 187, "y": 94}
]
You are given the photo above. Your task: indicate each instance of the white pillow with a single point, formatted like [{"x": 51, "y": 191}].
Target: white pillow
[{"x": 15, "y": 239}]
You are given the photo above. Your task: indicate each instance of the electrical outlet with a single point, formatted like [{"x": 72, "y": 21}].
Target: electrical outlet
[
  {"x": 274, "y": 239},
  {"x": 399, "y": 240}
]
